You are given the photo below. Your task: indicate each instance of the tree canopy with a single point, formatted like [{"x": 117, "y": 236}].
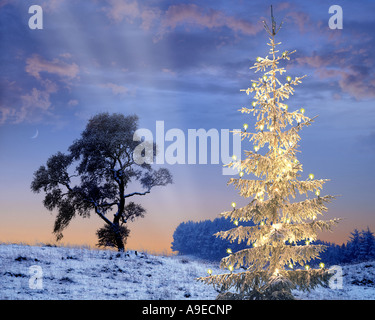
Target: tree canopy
[{"x": 94, "y": 175}]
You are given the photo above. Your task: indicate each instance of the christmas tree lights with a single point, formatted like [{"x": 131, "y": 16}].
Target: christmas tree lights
[{"x": 281, "y": 242}]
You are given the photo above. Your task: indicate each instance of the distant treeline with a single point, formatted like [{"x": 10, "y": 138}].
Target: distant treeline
[{"x": 197, "y": 239}]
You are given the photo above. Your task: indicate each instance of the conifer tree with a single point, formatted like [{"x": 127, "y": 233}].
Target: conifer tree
[
  {"x": 367, "y": 245},
  {"x": 274, "y": 262}
]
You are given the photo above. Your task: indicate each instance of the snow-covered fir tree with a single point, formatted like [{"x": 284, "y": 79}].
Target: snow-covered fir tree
[
  {"x": 274, "y": 262},
  {"x": 353, "y": 246},
  {"x": 367, "y": 245}
]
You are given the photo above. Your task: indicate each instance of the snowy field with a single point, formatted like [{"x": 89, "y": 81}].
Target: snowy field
[{"x": 80, "y": 273}]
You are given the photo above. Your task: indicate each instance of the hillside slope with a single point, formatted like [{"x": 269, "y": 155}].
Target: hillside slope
[{"x": 79, "y": 273}]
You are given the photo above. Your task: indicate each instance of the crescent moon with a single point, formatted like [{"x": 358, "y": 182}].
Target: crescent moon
[{"x": 35, "y": 135}]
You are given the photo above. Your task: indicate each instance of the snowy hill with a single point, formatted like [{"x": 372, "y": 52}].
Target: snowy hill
[{"x": 79, "y": 273}]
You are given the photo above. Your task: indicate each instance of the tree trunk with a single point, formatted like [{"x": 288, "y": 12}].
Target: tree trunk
[
  {"x": 116, "y": 221},
  {"x": 119, "y": 243},
  {"x": 118, "y": 237}
]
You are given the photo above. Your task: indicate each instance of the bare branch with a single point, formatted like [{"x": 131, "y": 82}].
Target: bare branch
[{"x": 136, "y": 193}]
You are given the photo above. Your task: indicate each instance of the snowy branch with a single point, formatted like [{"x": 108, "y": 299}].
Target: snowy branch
[{"x": 136, "y": 193}]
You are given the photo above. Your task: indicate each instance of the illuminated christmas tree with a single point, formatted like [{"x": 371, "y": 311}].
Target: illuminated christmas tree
[{"x": 280, "y": 245}]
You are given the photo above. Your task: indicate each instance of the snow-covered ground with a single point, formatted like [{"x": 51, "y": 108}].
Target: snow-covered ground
[
  {"x": 80, "y": 273},
  {"x": 358, "y": 283}
]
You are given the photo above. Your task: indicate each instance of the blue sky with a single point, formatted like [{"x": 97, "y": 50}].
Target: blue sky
[{"x": 184, "y": 63}]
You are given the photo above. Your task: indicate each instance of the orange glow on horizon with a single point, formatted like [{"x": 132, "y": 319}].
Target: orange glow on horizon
[
  {"x": 143, "y": 234},
  {"x": 33, "y": 224}
]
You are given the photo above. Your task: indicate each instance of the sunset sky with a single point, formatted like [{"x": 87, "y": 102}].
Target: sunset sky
[{"x": 184, "y": 63}]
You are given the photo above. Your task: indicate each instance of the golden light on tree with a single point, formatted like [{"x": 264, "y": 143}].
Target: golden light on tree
[{"x": 281, "y": 242}]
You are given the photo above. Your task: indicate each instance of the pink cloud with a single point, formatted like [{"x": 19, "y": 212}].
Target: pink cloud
[
  {"x": 120, "y": 10},
  {"x": 50, "y": 86},
  {"x": 300, "y": 18},
  {"x": 36, "y": 102},
  {"x": 4, "y": 2},
  {"x": 192, "y": 14},
  {"x": 149, "y": 17},
  {"x": 29, "y": 106},
  {"x": 33, "y": 105},
  {"x": 358, "y": 85},
  {"x": 36, "y": 64},
  {"x": 168, "y": 71},
  {"x": 174, "y": 16},
  {"x": 282, "y": 6},
  {"x": 354, "y": 80},
  {"x": 73, "y": 102},
  {"x": 313, "y": 61},
  {"x": 6, "y": 113},
  {"x": 52, "y": 5},
  {"x": 115, "y": 88},
  {"x": 37, "y": 99}
]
